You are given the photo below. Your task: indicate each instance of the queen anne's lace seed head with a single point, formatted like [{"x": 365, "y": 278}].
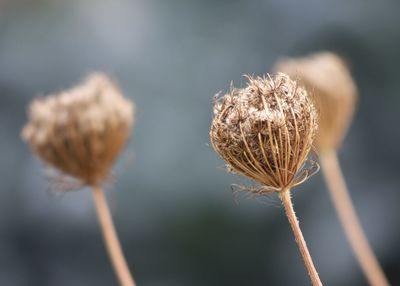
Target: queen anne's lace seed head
[
  {"x": 81, "y": 131},
  {"x": 265, "y": 130},
  {"x": 333, "y": 91}
]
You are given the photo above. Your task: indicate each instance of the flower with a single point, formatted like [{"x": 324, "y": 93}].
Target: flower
[
  {"x": 82, "y": 130},
  {"x": 333, "y": 91},
  {"x": 265, "y": 131}
]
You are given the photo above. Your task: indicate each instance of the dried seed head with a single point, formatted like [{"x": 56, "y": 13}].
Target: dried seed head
[
  {"x": 81, "y": 131},
  {"x": 333, "y": 91},
  {"x": 265, "y": 131}
]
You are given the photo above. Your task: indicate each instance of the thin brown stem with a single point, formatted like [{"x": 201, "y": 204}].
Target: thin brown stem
[
  {"x": 301, "y": 243},
  {"x": 349, "y": 220},
  {"x": 111, "y": 239}
]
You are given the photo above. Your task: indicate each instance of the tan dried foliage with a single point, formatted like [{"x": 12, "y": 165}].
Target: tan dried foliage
[
  {"x": 328, "y": 79},
  {"x": 81, "y": 131},
  {"x": 265, "y": 131}
]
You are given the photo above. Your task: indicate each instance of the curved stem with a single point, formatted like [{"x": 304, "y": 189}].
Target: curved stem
[
  {"x": 301, "y": 243},
  {"x": 349, "y": 220},
  {"x": 111, "y": 239}
]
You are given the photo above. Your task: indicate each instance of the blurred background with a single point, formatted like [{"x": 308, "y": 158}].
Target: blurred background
[{"x": 178, "y": 220}]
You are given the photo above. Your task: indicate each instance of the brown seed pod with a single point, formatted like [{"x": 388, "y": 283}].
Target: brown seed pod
[
  {"x": 81, "y": 131},
  {"x": 265, "y": 131},
  {"x": 327, "y": 78}
]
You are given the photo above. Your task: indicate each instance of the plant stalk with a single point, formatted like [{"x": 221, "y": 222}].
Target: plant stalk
[
  {"x": 111, "y": 239},
  {"x": 301, "y": 243},
  {"x": 349, "y": 220}
]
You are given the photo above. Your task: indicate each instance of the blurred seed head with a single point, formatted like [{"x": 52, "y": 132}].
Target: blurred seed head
[
  {"x": 81, "y": 131},
  {"x": 265, "y": 131},
  {"x": 328, "y": 79}
]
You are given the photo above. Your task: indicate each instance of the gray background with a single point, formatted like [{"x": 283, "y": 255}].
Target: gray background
[{"x": 172, "y": 200}]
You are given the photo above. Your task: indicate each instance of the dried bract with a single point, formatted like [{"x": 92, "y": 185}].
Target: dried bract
[
  {"x": 333, "y": 90},
  {"x": 265, "y": 131},
  {"x": 81, "y": 131}
]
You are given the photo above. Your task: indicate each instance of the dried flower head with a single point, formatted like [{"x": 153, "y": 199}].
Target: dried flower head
[
  {"x": 265, "y": 131},
  {"x": 81, "y": 131},
  {"x": 333, "y": 91}
]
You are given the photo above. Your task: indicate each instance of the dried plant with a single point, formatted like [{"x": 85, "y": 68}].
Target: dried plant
[
  {"x": 333, "y": 91},
  {"x": 335, "y": 95},
  {"x": 81, "y": 132},
  {"x": 265, "y": 131}
]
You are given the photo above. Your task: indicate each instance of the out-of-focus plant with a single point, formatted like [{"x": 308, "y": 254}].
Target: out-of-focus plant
[
  {"x": 334, "y": 92},
  {"x": 80, "y": 132}
]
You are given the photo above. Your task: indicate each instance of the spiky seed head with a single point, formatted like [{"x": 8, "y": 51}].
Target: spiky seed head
[
  {"x": 265, "y": 130},
  {"x": 82, "y": 130},
  {"x": 333, "y": 90}
]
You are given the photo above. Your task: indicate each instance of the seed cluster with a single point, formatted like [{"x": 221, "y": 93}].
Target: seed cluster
[
  {"x": 265, "y": 131},
  {"x": 333, "y": 91},
  {"x": 81, "y": 131}
]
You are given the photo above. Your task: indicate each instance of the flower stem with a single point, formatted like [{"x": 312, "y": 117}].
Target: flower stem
[
  {"x": 111, "y": 239},
  {"x": 301, "y": 243},
  {"x": 349, "y": 220}
]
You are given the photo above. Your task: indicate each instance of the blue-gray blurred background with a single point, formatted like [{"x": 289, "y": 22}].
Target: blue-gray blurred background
[{"x": 172, "y": 200}]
